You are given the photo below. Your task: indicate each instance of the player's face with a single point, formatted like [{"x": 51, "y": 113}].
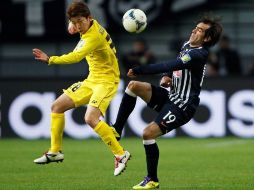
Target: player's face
[
  {"x": 197, "y": 37},
  {"x": 82, "y": 24}
]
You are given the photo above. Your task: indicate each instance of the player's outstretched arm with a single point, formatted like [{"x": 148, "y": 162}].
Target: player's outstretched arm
[
  {"x": 163, "y": 67},
  {"x": 40, "y": 55}
]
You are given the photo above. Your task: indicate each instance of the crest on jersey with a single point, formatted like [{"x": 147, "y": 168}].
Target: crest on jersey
[
  {"x": 80, "y": 44},
  {"x": 185, "y": 58}
]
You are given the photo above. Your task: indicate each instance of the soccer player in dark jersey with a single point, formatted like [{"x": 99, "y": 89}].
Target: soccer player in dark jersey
[{"x": 177, "y": 106}]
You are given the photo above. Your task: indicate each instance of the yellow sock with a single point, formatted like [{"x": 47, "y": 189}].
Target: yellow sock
[
  {"x": 106, "y": 134},
  {"x": 57, "y": 127}
]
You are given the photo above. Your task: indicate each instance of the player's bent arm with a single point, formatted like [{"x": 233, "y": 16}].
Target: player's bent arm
[{"x": 77, "y": 55}]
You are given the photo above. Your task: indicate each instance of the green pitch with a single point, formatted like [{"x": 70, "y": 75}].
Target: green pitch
[{"x": 185, "y": 163}]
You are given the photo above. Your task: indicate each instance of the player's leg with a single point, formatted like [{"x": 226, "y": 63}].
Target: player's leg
[
  {"x": 60, "y": 105},
  {"x": 92, "y": 118},
  {"x": 157, "y": 102},
  {"x": 76, "y": 95},
  {"x": 152, "y": 151},
  {"x": 170, "y": 117},
  {"x": 134, "y": 89},
  {"x": 106, "y": 134},
  {"x": 152, "y": 157},
  {"x": 99, "y": 101}
]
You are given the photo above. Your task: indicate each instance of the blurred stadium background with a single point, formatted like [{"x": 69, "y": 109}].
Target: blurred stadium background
[{"x": 29, "y": 87}]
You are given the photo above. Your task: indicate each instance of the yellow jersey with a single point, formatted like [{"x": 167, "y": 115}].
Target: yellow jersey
[{"x": 98, "y": 49}]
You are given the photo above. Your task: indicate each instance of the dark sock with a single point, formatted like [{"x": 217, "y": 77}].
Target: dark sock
[
  {"x": 126, "y": 107},
  {"x": 152, "y": 158}
]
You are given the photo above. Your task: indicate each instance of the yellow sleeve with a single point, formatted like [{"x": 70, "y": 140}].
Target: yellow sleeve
[
  {"x": 83, "y": 48},
  {"x": 69, "y": 58}
]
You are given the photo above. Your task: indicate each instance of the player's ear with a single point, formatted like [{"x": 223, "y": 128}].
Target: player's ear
[
  {"x": 207, "y": 39},
  {"x": 89, "y": 17}
]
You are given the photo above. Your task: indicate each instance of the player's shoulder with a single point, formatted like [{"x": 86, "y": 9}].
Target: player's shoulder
[
  {"x": 95, "y": 24},
  {"x": 199, "y": 52},
  {"x": 193, "y": 52},
  {"x": 97, "y": 27},
  {"x": 98, "y": 30},
  {"x": 93, "y": 30}
]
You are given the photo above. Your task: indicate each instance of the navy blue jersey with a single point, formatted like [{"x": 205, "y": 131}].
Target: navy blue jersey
[{"x": 188, "y": 71}]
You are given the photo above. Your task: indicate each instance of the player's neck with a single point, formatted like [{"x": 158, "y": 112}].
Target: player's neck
[{"x": 195, "y": 45}]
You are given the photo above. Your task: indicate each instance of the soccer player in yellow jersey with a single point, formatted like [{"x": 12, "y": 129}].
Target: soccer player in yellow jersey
[{"x": 96, "y": 91}]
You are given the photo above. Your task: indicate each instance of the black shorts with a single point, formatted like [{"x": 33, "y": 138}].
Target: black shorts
[{"x": 170, "y": 116}]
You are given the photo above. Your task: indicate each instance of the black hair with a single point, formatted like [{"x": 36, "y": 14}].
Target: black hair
[
  {"x": 78, "y": 8},
  {"x": 213, "y": 33}
]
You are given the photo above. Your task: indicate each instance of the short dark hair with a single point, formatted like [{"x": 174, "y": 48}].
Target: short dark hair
[
  {"x": 78, "y": 8},
  {"x": 215, "y": 30}
]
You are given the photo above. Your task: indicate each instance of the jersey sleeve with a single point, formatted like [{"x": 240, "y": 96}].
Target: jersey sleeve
[
  {"x": 186, "y": 61},
  {"x": 83, "y": 48}
]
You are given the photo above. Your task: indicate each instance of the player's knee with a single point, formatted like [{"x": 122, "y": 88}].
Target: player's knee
[
  {"x": 89, "y": 120},
  {"x": 55, "y": 108},
  {"x": 147, "y": 134},
  {"x": 132, "y": 85}
]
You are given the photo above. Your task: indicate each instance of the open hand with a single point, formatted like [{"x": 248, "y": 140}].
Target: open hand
[{"x": 40, "y": 55}]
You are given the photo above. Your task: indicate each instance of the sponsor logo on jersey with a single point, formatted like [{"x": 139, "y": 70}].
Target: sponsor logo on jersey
[
  {"x": 94, "y": 102},
  {"x": 185, "y": 58},
  {"x": 177, "y": 74}
]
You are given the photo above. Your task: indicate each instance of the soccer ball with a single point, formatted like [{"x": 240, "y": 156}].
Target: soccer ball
[{"x": 134, "y": 20}]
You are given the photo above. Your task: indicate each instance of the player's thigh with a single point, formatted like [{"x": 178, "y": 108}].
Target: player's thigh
[
  {"x": 141, "y": 89},
  {"x": 159, "y": 98},
  {"x": 79, "y": 92},
  {"x": 171, "y": 117},
  {"x": 103, "y": 95}
]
